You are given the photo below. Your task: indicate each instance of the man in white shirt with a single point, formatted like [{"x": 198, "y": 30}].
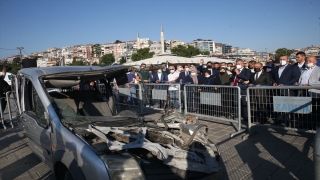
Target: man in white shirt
[
  {"x": 306, "y": 73},
  {"x": 173, "y": 89}
]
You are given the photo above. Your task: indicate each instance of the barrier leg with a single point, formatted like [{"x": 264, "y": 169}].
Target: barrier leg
[
  {"x": 1, "y": 113},
  {"x": 9, "y": 108},
  {"x": 240, "y": 130}
]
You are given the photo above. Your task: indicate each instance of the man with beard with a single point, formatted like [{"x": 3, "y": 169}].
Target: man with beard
[{"x": 301, "y": 60}]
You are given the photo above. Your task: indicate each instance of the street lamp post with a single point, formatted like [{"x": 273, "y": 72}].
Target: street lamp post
[{"x": 20, "y": 48}]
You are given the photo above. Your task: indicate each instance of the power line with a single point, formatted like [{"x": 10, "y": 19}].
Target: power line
[
  {"x": 7, "y": 49},
  {"x": 25, "y": 52}
]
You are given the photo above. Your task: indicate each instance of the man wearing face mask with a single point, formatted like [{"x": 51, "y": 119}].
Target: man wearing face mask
[
  {"x": 183, "y": 76},
  {"x": 314, "y": 80},
  {"x": 260, "y": 77},
  {"x": 241, "y": 75},
  {"x": 285, "y": 74},
  {"x": 164, "y": 68},
  {"x": 259, "y": 106},
  {"x": 160, "y": 77},
  {"x": 202, "y": 69},
  {"x": 173, "y": 90}
]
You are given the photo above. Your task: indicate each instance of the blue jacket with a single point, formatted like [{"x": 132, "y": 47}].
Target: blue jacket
[
  {"x": 289, "y": 75},
  {"x": 164, "y": 77}
]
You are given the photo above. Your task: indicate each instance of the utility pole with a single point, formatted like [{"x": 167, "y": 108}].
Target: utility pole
[{"x": 20, "y": 48}]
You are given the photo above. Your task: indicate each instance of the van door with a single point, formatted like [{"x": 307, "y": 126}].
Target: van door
[{"x": 35, "y": 119}]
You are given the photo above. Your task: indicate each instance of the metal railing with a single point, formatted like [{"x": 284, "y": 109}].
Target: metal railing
[
  {"x": 10, "y": 109},
  {"x": 129, "y": 94},
  {"x": 162, "y": 96},
  {"x": 287, "y": 107},
  {"x": 214, "y": 103}
]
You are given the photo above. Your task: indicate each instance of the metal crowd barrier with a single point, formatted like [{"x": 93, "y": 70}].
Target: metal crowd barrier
[
  {"x": 214, "y": 103},
  {"x": 7, "y": 98},
  {"x": 162, "y": 96},
  {"x": 287, "y": 107},
  {"x": 128, "y": 94},
  {"x": 316, "y": 156}
]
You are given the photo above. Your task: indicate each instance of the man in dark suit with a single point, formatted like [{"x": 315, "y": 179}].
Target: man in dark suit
[
  {"x": 214, "y": 72},
  {"x": 284, "y": 75},
  {"x": 160, "y": 77},
  {"x": 259, "y": 97},
  {"x": 241, "y": 75},
  {"x": 301, "y": 60},
  {"x": 184, "y": 76}
]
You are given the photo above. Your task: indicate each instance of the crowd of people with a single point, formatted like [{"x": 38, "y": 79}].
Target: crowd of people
[{"x": 282, "y": 72}]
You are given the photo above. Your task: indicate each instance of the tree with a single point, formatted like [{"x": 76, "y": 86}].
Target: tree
[
  {"x": 183, "y": 51},
  {"x": 78, "y": 63},
  {"x": 142, "y": 54},
  {"x": 123, "y": 60},
  {"x": 117, "y": 41},
  {"x": 14, "y": 67},
  {"x": 108, "y": 59},
  {"x": 205, "y": 52},
  {"x": 96, "y": 49},
  {"x": 283, "y": 51}
]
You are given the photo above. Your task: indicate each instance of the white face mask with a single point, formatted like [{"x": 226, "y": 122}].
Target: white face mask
[
  {"x": 171, "y": 71},
  {"x": 309, "y": 65},
  {"x": 228, "y": 68},
  {"x": 150, "y": 72},
  {"x": 207, "y": 76},
  {"x": 187, "y": 69},
  {"x": 193, "y": 74},
  {"x": 283, "y": 63},
  {"x": 159, "y": 71},
  {"x": 239, "y": 66}
]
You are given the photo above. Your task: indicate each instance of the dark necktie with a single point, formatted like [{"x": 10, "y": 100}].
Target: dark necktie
[{"x": 256, "y": 76}]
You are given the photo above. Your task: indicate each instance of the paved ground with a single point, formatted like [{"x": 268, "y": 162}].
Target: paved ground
[{"x": 268, "y": 154}]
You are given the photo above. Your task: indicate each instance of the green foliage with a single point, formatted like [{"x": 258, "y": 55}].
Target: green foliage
[
  {"x": 96, "y": 49},
  {"x": 14, "y": 67},
  {"x": 123, "y": 60},
  {"x": 183, "y": 51},
  {"x": 107, "y": 59},
  {"x": 78, "y": 63},
  {"x": 117, "y": 41},
  {"x": 205, "y": 52},
  {"x": 283, "y": 51},
  {"x": 142, "y": 54}
]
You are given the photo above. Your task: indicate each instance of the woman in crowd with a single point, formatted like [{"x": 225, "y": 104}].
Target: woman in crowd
[
  {"x": 226, "y": 93},
  {"x": 209, "y": 102}
]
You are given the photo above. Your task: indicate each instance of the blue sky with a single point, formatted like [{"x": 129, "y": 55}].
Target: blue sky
[{"x": 256, "y": 24}]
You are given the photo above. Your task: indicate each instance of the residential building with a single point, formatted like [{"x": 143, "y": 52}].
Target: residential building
[
  {"x": 53, "y": 52},
  {"x": 218, "y": 47},
  {"x": 174, "y": 43},
  {"x": 226, "y": 49},
  {"x": 205, "y": 45}
]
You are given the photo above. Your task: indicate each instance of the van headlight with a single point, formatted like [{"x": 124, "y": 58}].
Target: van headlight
[{"x": 123, "y": 168}]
